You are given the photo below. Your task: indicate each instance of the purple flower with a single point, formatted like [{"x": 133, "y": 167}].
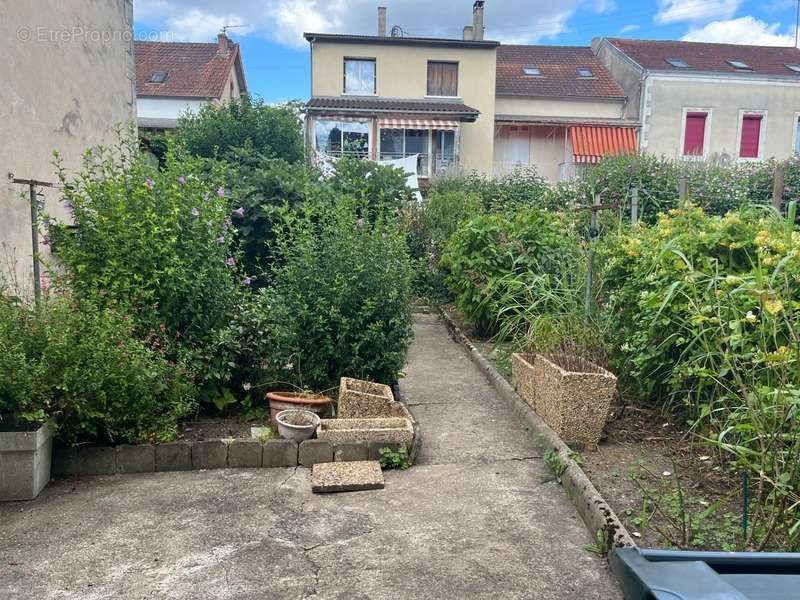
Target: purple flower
[
  {"x": 239, "y": 211},
  {"x": 247, "y": 281},
  {"x": 149, "y": 183},
  {"x": 221, "y": 192},
  {"x": 231, "y": 262},
  {"x": 195, "y": 212},
  {"x": 220, "y": 240},
  {"x": 182, "y": 180}
]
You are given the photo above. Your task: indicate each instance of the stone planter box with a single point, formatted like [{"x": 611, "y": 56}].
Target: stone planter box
[
  {"x": 360, "y": 399},
  {"x": 388, "y": 430},
  {"x": 572, "y": 395},
  {"x": 25, "y": 458}
]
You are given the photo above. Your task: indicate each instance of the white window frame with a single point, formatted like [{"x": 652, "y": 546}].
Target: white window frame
[
  {"x": 374, "y": 61},
  {"x": 706, "y": 132},
  {"x": 458, "y": 78},
  {"x": 762, "y": 139},
  {"x": 795, "y": 139}
]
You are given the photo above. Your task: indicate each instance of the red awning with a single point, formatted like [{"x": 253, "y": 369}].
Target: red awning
[
  {"x": 442, "y": 124},
  {"x": 591, "y": 144}
]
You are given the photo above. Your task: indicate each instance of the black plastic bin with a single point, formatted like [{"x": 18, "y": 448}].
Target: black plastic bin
[{"x": 676, "y": 575}]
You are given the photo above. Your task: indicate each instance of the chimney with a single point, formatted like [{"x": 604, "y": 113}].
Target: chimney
[
  {"x": 477, "y": 20},
  {"x": 381, "y": 21},
  {"x": 468, "y": 32},
  {"x": 223, "y": 44}
]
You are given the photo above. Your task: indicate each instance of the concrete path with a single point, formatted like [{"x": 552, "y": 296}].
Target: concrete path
[{"x": 472, "y": 520}]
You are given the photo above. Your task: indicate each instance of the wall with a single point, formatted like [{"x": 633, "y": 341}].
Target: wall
[
  {"x": 625, "y": 72},
  {"x": 548, "y": 107},
  {"x": 547, "y": 148},
  {"x": 166, "y": 108},
  {"x": 68, "y": 81},
  {"x": 667, "y": 97},
  {"x": 401, "y": 72}
]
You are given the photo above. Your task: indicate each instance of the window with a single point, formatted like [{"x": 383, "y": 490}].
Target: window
[
  {"x": 342, "y": 138},
  {"x": 444, "y": 150},
  {"x": 740, "y": 65},
  {"x": 793, "y": 67},
  {"x": 400, "y": 143},
  {"x": 750, "y": 135},
  {"x": 797, "y": 132},
  {"x": 442, "y": 78},
  {"x": 678, "y": 63},
  {"x": 531, "y": 71},
  {"x": 585, "y": 72},
  {"x": 359, "y": 76},
  {"x": 158, "y": 77},
  {"x": 694, "y": 134}
]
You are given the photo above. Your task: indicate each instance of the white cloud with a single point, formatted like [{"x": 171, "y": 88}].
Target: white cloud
[
  {"x": 695, "y": 11},
  {"x": 744, "y": 30},
  {"x": 284, "y": 21},
  {"x": 629, "y": 28}
]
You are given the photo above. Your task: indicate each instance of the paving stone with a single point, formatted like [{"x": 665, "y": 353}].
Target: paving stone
[
  {"x": 65, "y": 462},
  {"x": 312, "y": 452},
  {"x": 376, "y": 445},
  {"x": 346, "y": 477},
  {"x": 279, "y": 453},
  {"x": 212, "y": 454},
  {"x": 175, "y": 456},
  {"x": 350, "y": 451},
  {"x": 97, "y": 461},
  {"x": 243, "y": 454},
  {"x": 139, "y": 458}
]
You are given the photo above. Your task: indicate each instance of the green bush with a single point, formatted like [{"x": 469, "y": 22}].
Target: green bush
[
  {"x": 488, "y": 248},
  {"x": 522, "y": 187},
  {"x": 273, "y": 131},
  {"x": 340, "y": 300}
]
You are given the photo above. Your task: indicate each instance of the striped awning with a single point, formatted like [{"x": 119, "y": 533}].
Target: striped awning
[
  {"x": 441, "y": 124},
  {"x": 591, "y": 144}
]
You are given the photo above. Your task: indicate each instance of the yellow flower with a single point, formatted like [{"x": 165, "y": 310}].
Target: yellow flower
[
  {"x": 773, "y": 306},
  {"x": 761, "y": 237}
]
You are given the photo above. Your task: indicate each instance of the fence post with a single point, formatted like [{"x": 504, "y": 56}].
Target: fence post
[
  {"x": 777, "y": 188},
  {"x": 593, "y": 233},
  {"x": 683, "y": 190},
  {"x": 635, "y": 206}
]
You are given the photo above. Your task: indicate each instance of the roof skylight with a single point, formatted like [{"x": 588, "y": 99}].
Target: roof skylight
[
  {"x": 792, "y": 67},
  {"x": 678, "y": 63},
  {"x": 585, "y": 72},
  {"x": 531, "y": 71},
  {"x": 158, "y": 77},
  {"x": 739, "y": 64}
]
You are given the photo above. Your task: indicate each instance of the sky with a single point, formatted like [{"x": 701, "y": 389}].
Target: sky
[{"x": 276, "y": 57}]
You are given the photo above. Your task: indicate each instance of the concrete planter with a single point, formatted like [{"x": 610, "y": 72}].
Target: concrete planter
[
  {"x": 297, "y": 425},
  {"x": 360, "y": 399},
  {"x": 25, "y": 458},
  {"x": 388, "y": 430},
  {"x": 572, "y": 395}
]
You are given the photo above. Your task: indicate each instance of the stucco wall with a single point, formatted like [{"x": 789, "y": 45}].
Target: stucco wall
[
  {"x": 627, "y": 74},
  {"x": 667, "y": 97},
  {"x": 68, "y": 79},
  {"x": 166, "y": 108},
  {"x": 401, "y": 72},
  {"x": 548, "y": 147},
  {"x": 547, "y": 107}
]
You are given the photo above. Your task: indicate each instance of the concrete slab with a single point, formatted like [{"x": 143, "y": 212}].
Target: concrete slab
[
  {"x": 354, "y": 476},
  {"x": 280, "y": 453},
  {"x": 97, "y": 461},
  {"x": 245, "y": 453},
  {"x": 212, "y": 454},
  {"x": 350, "y": 451},
  {"x": 136, "y": 459},
  {"x": 312, "y": 452},
  {"x": 175, "y": 456}
]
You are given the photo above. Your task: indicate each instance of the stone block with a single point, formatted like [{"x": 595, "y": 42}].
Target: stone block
[
  {"x": 25, "y": 460},
  {"x": 100, "y": 460},
  {"x": 212, "y": 454},
  {"x": 312, "y": 452},
  {"x": 175, "y": 456},
  {"x": 346, "y": 477},
  {"x": 244, "y": 454},
  {"x": 393, "y": 429},
  {"x": 279, "y": 453},
  {"x": 136, "y": 459},
  {"x": 65, "y": 462},
  {"x": 350, "y": 451},
  {"x": 360, "y": 399}
]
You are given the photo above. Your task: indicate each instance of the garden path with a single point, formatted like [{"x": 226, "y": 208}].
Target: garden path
[{"x": 473, "y": 519}]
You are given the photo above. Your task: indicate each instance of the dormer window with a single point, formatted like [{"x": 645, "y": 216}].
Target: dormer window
[
  {"x": 793, "y": 67},
  {"x": 739, "y": 65},
  {"x": 158, "y": 77},
  {"x": 532, "y": 71},
  {"x": 585, "y": 72},
  {"x": 678, "y": 63}
]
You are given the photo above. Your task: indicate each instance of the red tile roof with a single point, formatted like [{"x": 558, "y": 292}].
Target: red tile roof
[
  {"x": 193, "y": 70},
  {"x": 559, "y": 78},
  {"x": 702, "y": 56}
]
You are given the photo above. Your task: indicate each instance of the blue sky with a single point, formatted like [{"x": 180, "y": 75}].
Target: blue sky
[{"x": 276, "y": 56}]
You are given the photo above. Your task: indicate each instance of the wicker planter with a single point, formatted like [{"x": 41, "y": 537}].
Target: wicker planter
[
  {"x": 360, "y": 399},
  {"x": 573, "y": 396}
]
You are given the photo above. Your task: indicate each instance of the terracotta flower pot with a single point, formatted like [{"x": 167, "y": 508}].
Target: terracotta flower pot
[
  {"x": 279, "y": 401},
  {"x": 572, "y": 395}
]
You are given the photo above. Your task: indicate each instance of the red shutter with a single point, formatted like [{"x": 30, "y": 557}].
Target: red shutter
[
  {"x": 694, "y": 134},
  {"x": 751, "y": 133}
]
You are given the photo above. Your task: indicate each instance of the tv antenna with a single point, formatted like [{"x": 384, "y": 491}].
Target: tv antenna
[
  {"x": 225, "y": 28},
  {"x": 397, "y": 31}
]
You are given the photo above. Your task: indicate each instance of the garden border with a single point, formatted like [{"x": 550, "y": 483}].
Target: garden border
[{"x": 594, "y": 510}]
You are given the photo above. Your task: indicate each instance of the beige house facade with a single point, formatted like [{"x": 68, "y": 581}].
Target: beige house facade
[
  {"x": 69, "y": 73},
  {"x": 697, "y": 101},
  {"x": 388, "y": 97}
]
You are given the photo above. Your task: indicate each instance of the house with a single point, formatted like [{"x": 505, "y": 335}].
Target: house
[
  {"x": 701, "y": 100},
  {"x": 67, "y": 88},
  {"x": 389, "y": 97},
  {"x": 173, "y": 78},
  {"x": 557, "y": 109}
]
